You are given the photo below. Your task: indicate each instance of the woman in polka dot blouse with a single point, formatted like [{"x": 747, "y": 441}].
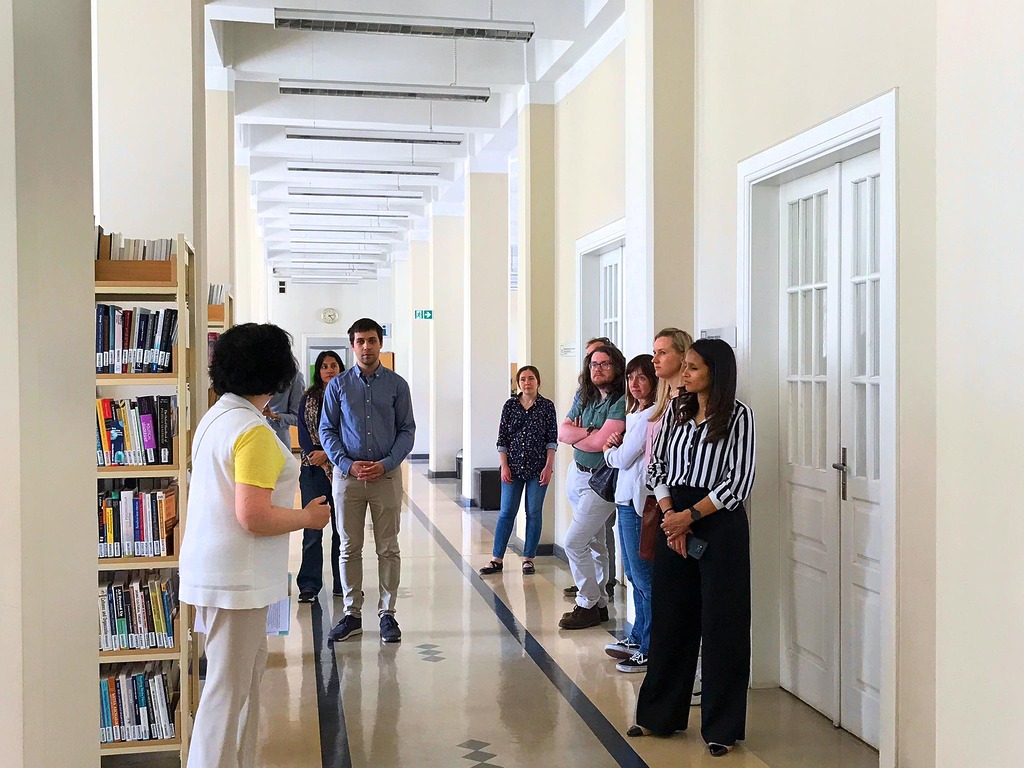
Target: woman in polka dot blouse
[{"x": 527, "y": 440}]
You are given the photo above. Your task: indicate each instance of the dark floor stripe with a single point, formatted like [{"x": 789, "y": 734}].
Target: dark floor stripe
[
  {"x": 334, "y": 748},
  {"x": 605, "y": 732}
]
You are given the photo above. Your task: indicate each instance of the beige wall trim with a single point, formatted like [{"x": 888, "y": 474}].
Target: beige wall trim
[{"x": 613, "y": 233}]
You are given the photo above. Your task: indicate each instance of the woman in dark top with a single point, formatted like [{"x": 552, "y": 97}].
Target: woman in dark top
[
  {"x": 702, "y": 468},
  {"x": 527, "y": 440},
  {"x": 315, "y": 480}
]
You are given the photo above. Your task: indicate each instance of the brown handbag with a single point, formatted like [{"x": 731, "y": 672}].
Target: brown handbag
[{"x": 649, "y": 524}]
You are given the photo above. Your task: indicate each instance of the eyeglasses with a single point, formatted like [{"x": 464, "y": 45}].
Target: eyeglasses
[{"x": 601, "y": 366}]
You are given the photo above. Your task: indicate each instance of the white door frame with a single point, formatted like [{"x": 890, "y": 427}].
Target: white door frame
[
  {"x": 595, "y": 241},
  {"x": 869, "y": 126}
]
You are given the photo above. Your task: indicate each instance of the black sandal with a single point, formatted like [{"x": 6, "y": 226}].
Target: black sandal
[
  {"x": 494, "y": 566},
  {"x": 528, "y": 568}
]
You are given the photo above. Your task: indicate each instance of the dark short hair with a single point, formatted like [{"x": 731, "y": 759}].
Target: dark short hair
[
  {"x": 604, "y": 341},
  {"x": 365, "y": 325},
  {"x": 645, "y": 365},
  {"x": 252, "y": 359}
]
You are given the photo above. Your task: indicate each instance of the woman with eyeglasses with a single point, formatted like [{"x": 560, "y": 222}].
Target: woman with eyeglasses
[{"x": 702, "y": 469}]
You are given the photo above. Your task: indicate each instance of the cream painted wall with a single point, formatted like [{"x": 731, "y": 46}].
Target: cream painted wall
[
  {"x": 401, "y": 342},
  {"x": 298, "y": 310},
  {"x": 49, "y": 670},
  {"x": 765, "y": 73},
  {"x": 419, "y": 339},
  {"x": 447, "y": 243},
  {"x": 145, "y": 132},
  {"x": 590, "y": 185},
  {"x": 979, "y": 241},
  {"x": 220, "y": 186}
]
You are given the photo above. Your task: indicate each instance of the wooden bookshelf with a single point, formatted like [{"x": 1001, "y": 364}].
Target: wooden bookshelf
[{"x": 165, "y": 283}]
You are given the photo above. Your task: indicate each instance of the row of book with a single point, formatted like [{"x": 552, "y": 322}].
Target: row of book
[
  {"x": 117, "y": 247},
  {"x": 136, "y": 340},
  {"x": 136, "y": 432},
  {"x": 136, "y": 523},
  {"x": 138, "y": 701},
  {"x": 137, "y": 610},
  {"x": 217, "y": 292}
]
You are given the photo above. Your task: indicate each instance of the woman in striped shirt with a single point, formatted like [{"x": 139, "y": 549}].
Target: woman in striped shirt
[{"x": 702, "y": 469}]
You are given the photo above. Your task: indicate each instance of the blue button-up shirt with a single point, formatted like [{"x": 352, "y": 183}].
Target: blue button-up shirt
[{"x": 367, "y": 418}]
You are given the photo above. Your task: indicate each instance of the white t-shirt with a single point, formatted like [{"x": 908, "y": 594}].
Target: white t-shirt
[
  {"x": 629, "y": 459},
  {"x": 223, "y": 565}
]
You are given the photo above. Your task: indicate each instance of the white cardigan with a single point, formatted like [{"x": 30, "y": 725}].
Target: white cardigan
[{"x": 628, "y": 458}]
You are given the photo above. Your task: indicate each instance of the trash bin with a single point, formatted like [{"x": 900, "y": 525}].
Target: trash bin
[{"x": 487, "y": 487}]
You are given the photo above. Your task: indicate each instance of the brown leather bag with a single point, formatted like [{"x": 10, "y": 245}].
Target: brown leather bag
[{"x": 650, "y": 522}]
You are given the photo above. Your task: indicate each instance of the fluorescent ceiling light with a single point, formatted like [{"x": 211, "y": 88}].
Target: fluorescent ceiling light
[
  {"x": 360, "y": 214},
  {"x": 368, "y": 194},
  {"x": 381, "y": 169},
  {"x": 377, "y": 137},
  {"x": 339, "y": 241},
  {"x": 383, "y": 90},
  {"x": 347, "y": 230},
  {"x": 392, "y": 24}
]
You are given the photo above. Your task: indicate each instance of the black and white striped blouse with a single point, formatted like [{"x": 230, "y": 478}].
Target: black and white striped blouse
[{"x": 681, "y": 456}]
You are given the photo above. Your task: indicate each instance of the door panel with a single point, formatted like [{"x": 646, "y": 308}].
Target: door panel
[
  {"x": 809, "y": 228},
  {"x": 861, "y": 512}
]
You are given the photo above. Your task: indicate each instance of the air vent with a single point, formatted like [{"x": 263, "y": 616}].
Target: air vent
[
  {"x": 376, "y": 137},
  {"x": 383, "y": 90},
  {"x": 417, "y": 26}
]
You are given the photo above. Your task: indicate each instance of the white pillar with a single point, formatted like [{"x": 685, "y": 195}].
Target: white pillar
[
  {"x": 447, "y": 242},
  {"x": 48, "y": 678},
  {"x": 419, "y": 337},
  {"x": 220, "y": 185},
  {"x": 660, "y": 68},
  {"x": 485, "y": 322}
]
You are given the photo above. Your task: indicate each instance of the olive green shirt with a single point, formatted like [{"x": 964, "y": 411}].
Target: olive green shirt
[{"x": 595, "y": 415}]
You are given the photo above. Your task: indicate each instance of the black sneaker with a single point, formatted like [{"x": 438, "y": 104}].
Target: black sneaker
[
  {"x": 571, "y": 591},
  {"x": 603, "y": 611},
  {"x": 635, "y": 663},
  {"x": 307, "y": 596},
  {"x": 622, "y": 649},
  {"x": 348, "y": 627},
  {"x": 389, "y": 631}
]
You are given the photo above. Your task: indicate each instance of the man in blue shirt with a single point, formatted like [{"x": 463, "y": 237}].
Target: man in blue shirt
[{"x": 367, "y": 430}]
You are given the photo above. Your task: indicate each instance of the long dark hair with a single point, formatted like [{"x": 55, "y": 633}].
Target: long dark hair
[
  {"x": 588, "y": 391},
  {"x": 721, "y": 362},
  {"x": 645, "y": 365},
  {"x": 316, "y": 387}
]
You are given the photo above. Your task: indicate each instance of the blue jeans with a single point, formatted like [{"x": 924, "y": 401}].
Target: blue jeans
[
  {"x": 638, "y": 571},
  {"x": 313, "y": 482},
  {"x": 511, "y": 495}
]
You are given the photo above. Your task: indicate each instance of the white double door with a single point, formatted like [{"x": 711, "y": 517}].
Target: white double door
[{"x": 829, "y": 414}]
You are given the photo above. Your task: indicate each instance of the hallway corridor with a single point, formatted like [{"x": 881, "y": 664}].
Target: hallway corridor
[{"x": 483, "y": 677}]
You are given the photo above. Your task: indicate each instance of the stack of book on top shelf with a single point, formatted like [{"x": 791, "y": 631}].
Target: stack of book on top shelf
[
  {"x": 136, "y": 432},
  {"x": 137, "y": 610},
  {"x": 217, "y": 293},
  {"x": 136, "y": 340},
  {"x": 117, "y": 247},
  {"x": 136, "y": 522},
  {"x": 138, "y": 701}
]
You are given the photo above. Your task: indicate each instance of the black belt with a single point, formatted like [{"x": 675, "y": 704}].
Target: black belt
[{"x": 582, "y": 468}]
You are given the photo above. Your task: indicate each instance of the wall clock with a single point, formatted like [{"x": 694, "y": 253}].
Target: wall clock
[{"x": 329, "y": 315}]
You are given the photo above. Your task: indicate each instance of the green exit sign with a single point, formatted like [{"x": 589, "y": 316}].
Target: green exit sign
[{"x": 423, "y": 314}]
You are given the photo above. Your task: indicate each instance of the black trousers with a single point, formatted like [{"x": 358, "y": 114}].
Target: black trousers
[
  {"x": 693, "y": 601},
  {"x": 313, "y": 482}
]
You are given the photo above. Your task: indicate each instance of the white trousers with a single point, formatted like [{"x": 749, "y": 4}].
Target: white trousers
[
  {"x": 585, "y": 542},
  {"x": 226, "y": 726}
]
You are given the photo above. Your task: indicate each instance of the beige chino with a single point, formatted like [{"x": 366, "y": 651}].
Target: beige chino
[{"x": 383, "y": 498}]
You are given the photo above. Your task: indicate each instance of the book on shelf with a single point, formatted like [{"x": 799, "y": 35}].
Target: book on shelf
[
  {"x": 115, "y": 246},
  {"x": 216, "y": 293},
  {"x": 136, "y": 521},
  {"x": 138, "y": 701},
  {"x": 136, "y": 432},
  {"x": 137, "y": 610},
  {"x": 136, "y": 340}
]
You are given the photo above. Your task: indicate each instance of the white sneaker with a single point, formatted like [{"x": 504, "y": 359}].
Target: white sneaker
[{"x": 621, "y": 649}]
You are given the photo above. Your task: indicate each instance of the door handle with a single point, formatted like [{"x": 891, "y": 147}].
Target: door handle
[{"x": 841, "y": 466}]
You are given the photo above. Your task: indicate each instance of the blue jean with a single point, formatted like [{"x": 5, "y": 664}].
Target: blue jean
[
  {"x": 638, "y": 571},
  {"x": 511, "y": 495},
  {"x": 313, "y": 482}
]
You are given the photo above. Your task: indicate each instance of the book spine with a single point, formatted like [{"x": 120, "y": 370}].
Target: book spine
[
  {"x": 101, "y": 310},
  {"x": 115, "y": 710}
]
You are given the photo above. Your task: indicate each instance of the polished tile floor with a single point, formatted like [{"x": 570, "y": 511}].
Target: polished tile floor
[{"x": 484, "y": 677}]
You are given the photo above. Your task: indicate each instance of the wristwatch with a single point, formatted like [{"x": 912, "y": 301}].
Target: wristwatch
[{"x": 695, "y": 514}]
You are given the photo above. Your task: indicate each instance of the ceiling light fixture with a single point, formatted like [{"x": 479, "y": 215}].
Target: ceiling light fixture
[
  {"x": 352, "y": 214},
  {"x": 366, "y": 168},
  {"x": 392, "y": 24},
  {"x": 376, "y": 137},
  {"x": 383, "y": 90},
  {"x": 368, "y": 194}
]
